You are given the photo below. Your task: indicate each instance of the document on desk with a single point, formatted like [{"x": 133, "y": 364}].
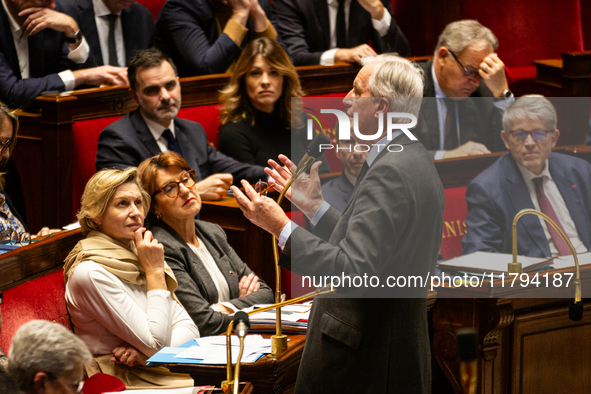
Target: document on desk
[
  {"x": 491, "y": 262},
  {"x": 184, "y": 390},
  {"x": 569, "y": 261}
]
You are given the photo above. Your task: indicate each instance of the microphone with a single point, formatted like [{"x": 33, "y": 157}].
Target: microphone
[
  {"x": 312, "y": 153},
  {"x": 467, "y": 345},
  {"x": 241, "y": 324}
]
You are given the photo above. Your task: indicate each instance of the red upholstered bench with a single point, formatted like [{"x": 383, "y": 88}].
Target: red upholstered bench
[
  {"x": 153, "y": 5},
  {"x": 41, "y": 298},
  {"x": 454, "y": 226}
]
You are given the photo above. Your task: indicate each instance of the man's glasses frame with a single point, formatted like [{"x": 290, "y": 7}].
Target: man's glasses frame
[
  {"x": 520, "y": 136},
  {"x": 174, "y": 192},
  {"x": 467, "y": 73},
  {"x": 5, "y": 145}
]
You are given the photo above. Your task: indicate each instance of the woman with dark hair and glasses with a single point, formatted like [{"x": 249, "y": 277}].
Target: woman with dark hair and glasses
[
  {"x": 12, "y": 226},
  {"x": 213, "y": 281}
]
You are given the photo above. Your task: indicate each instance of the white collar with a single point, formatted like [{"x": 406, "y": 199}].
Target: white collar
[
  {"x": 101, "y": 9},
  {"x": 156, "y": 128},
  {"x": 14, "y": 27},
  {"x": 528, "y": 175},
  {"x": 438, "y": 92}
]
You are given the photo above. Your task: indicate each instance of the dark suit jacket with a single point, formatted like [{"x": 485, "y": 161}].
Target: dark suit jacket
[
  {"x": 304, "y": 28},
  {"x": 196, "y": 290},
  {"x": 48, "y": 55},
  {"x": 128, "y": 141},
  {"x": 391, "y": 227},
  {"x": 187, "y": 30},
  {"x": 136, "y": 21},
  {"x": 337, "y": 192},
  {"x": 495, "y": 196},
  {"x": 480, "y": 120}
]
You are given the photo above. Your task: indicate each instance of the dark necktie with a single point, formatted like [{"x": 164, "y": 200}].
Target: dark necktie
[
  {"x": 546, "y": 208},
  {"x": 450, "y": 130},
  {"x": 112, "y": 46},
  {"x": 341, "y": 26},
  {"x": 172, "y": 143}
]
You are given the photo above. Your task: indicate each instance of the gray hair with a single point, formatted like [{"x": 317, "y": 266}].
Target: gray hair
[
  {"x": 531, "y": 107},
  {"x": 43, "y": 346},
  {"x": 399, "y": 80},
  {"x": 458, "y": 35}
]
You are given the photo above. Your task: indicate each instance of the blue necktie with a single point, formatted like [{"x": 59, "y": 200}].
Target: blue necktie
[{"x": 172, "y": 144}]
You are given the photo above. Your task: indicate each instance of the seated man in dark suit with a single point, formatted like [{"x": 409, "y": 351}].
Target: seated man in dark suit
[
  {"x": 530, "y": 177},
  {"x": 466, "y": 76},
  {"x": 39, "y": 47},
  {"x": 154, "y": 128},
  {"x": 337, "y": 192},
  {"x": 332, "y": 31},
  {"x": 206, "y": 37},
  {"x": 114, "y": 29}
]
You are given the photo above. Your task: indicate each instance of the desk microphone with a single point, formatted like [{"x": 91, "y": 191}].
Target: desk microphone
[
  {"x": 467, "y": 345},
  {"x": 241, "y": 324},
  {"x": 313, "y": 152}
]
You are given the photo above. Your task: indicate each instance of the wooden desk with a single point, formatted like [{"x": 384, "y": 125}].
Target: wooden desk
[
  {"x": 27, "y": 262},
  {"x": 527, "y": 345},
  {"x": 268, "y": 374}
]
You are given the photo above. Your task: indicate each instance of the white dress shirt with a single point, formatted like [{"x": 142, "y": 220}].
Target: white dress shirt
[
  {"x": 101, "y": 13},
  {"x": 157, "y": 129},
  {"x": 78, "y": 55},
  {"x": 381, "y": 27},
  {"x": 107, "y": 312},
  {"x": 560, "y": 208}
]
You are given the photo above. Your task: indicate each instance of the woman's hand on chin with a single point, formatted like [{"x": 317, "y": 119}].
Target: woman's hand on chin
[
  {"x": 128, "y": 355},
  {"x": 150, "y": 253}
]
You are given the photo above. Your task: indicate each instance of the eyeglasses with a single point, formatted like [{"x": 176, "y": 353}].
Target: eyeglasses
[
  {"x": 536, "y": 135},
  {"x": 171, "y": 189},
  {"x": 5, "y": 145},
  {"x": 467, "y": 73},
  {"x": 74, "y": 387},
  {"x": 15, "y": 238}
]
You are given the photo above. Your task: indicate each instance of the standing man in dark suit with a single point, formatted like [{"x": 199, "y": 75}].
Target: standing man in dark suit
[
  {"x": 39, "y": 46},
  {"x": 154, "y": 128},
  {"x": 115, "y": 29},
  {"x": 530, "y": 177},
  {"x": 206, "y": 37},
  {"x": 332, "y": 31},
  {"x": 391, "y": 228},
  {"x": 468, "y": 79}
]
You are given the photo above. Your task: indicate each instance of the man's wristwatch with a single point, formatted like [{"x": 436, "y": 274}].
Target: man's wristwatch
[
  {"x": 77, "y": 39},
  {"x": 507, "y": 94}
]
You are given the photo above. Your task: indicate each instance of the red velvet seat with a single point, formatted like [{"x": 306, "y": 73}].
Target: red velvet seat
[
  {"x": 41, "y": 298},
  {"x": 529, "y": 30},
  {"x": 454, "y": 227},
  {"x": 153, "y": 5},
  {"x": 208, "y": 116}
]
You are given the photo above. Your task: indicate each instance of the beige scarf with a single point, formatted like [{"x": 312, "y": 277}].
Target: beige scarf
[
  {"x": 122, "y": 262},
  {"x": 118, "y": 259}
]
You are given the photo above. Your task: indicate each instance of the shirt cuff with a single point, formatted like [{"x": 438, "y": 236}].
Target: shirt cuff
[
  {"x": 286, "y": 233},
  {"x": 68, "y": 79},
  {"x": 235, "y": 31},
  {"x": 382, "y": 26},
  {"x": 439, "y": 154},
  {"x": 229, "y": 306},
  {"x": 327, "y": 58},
  {"x": 504, "y": 103},
  {"x": 319, "y": 213},
  {"x": 269, "y": 32},
  {"x": 80, "y": 54}
]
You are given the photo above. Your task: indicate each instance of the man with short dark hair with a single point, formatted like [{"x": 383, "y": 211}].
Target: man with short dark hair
[
  {"x": 530, "y": 177},
  {"x": 465, "y": 93},
  {"x": 115, "y": 29},
  {"x": 154, "y": 128},
  {"x": 39, "y": 47}
]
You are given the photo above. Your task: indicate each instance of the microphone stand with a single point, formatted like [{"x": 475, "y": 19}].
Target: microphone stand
[
  {"x": 576, "y": 306},
  {"x": 230, "y": 382}
]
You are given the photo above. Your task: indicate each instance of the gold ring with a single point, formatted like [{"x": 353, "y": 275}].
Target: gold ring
[{"x": 127, "y": 354}]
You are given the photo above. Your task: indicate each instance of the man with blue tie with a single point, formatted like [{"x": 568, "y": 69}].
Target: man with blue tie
[
  {"x": 154, "y": 127},
  {"x": 530, "y": 177}
]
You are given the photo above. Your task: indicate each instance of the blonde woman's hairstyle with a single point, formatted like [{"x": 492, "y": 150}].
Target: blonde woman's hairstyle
[
  {"x": 7, "y": 113},
  {"x": 100, "y": 189},
  {"x": 236, "y": 104}
]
